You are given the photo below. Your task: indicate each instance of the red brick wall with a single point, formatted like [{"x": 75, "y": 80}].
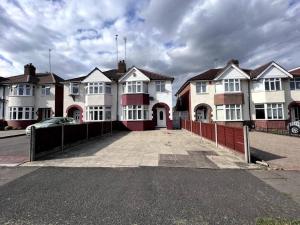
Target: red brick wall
[
  {"x": 59, "y": 99},
  {"x": 139, "y": 125},
  {"x": 271, "y": 124},
  {"x": 20, "y": 124},
  {"x": 135, "y": 99}
]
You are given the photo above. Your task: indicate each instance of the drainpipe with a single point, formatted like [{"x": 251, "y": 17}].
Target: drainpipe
[
  {"x": 117, "y": 116},
  {"x": 249, "y": 102},
  {"x": 3, "y": 103}
]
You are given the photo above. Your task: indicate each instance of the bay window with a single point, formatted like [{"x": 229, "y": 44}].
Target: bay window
[
  {"x": 135, "y": 87},
  {"x": 230, "y": 112},
  {"x": 160, "y": 86},
  {"x": 21, "y": 113},
  {"x": 21, "y": 90},
  {"x": 135, "y": 112},
  {"x": 272, "y": 84},
  {"x": 271, "y": 111},
  {"x": 201, "y": 87},
  {"x": 295, "y": 83},
  {"x": 74, "y": 88},
  {"x": 232, "y": 85},
  {"x": 46, "y": 90},
  {"x": 98, "y": 113}
]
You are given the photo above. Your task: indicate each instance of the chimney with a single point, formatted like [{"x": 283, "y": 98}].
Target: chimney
[
  {"x": 29, "y": 70},
  {"x": 121, "y": 67},
  {"x": 234, "y": 61}
]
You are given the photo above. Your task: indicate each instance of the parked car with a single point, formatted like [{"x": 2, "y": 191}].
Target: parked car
[
  {"x": 294, "y": 127},
  {"x": 51, "y": 122}
]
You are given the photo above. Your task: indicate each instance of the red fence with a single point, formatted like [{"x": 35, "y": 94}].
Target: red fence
[{"x": 230, "y": 137}]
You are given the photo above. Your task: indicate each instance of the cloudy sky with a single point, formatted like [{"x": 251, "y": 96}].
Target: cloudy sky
[{"x": 175, "y": 37}]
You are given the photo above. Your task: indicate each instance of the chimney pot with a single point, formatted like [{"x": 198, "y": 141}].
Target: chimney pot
[{"x": 29, "y": 70}]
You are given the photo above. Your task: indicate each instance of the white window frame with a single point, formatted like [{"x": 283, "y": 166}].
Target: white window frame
[
  {"x": 46, "y": 90},
  {"x": 72, "y": 86},
  {"x": 295, "y": 81},
  {"x": 201, "y": 87},
  {"x": 135, "y": 112},
  {"x": 160, "y": 86},
  {"x": 135, "y": 87},
  {"x": 21, "y": 113},
  {"x": 235, "y": 111},
  {"x": 92, "y": 111},
  {"x": 276, "y": 110},
  {"x": 273, "y": 81},
  {"x": 234, "y": 82},
  {"x": 27, "y": 90}
]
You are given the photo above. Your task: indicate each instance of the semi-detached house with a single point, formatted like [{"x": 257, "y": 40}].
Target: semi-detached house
[
  {"x": 30, "y": 97},
  {"x": 267, "y": 96},
  {"x": 136, "y": 98}
]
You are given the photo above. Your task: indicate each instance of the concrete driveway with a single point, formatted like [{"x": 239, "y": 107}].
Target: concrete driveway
[
  {"x": 278, "y": 151},
  {"x": 176, "y": 148}
]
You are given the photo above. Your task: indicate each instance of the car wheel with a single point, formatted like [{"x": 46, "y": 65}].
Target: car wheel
[{"x": 295, "y": 130}]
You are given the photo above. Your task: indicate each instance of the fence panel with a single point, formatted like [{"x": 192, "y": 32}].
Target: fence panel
[
  {"x": 74, "y": 133},
  {"x": 95, "y": 129},
  {"x": 230, "y": 137},
  {"x": 47, "y": 139}
]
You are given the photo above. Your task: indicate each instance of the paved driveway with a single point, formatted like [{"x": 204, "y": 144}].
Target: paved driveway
[
  {"x": 176, "y": 148},
  {"x": 278, "y": 151},
  {"x": 14, "y": 150}
]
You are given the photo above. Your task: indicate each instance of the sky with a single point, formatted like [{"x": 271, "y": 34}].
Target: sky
[{"x": 179, "y": 38}]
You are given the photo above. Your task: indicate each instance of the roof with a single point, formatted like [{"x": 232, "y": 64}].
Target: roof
[
  {"x": 254, "y": 73},
  {"x": 39, "y": 78},
  {"x": 210, "y": 74},
  {"x": 295, "y": 72},
  {"x": 155, "y": 76}
]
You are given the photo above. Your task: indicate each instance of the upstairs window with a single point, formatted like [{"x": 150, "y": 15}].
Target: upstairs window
[
  {"x": 46, "y": 90},
  {"x": 74, "y": 88},
  {"x": 295, "y": 83},
  {"x": 108, "y": 88},
  {"x": 201, "y": 87},
  {"x": 160, "y": 86},
  {"x": 272, "y": 84},
  {"x": 232, "y": 85},
  {"x": 21, "y": 90},
  {"x": 135, "y": 87},
  {"x": 95, "y": 88}
]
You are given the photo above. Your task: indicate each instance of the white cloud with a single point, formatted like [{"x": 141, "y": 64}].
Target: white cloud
[{"x": 176, "y": 37}]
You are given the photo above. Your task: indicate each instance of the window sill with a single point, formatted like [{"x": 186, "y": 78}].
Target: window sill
[
  {"x": 126, "y": 93},
  {"x": 20, "y": 95},
  {"x": 202, "y": 93},
  {"x": 269, "y": 119},
  {"x": 98, "y": 94}
]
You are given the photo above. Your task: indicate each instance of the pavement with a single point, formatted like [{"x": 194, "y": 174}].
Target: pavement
[
  {"x": 164, "y": 148},
  {"x": 14, "y": 150},
  {"x": 144, "y": 195},
  {"x": 11, "y": 133},
  {"x": 279, "y": 151}
]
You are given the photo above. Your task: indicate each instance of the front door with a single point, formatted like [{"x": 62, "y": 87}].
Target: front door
[
  {"x": 161, "y": 117},
  {"x": 76, "y": 115},
  {"x": 201, "y": 115}
]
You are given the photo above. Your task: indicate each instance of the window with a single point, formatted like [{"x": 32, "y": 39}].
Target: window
[
  {"x": 274, "y": 111},
  {"x": 135, "y": 112},
  {"x": 201, "y": 87},
  {"x": 74, "y": 88},
  {"x": 260, "y": 111},
  {"x": 45, "y": 113},
  {"x": 135, "y": 87},
  {"x": 21, "y": 113},
  {"x": 45, "y": 90},
  {"x": 160, "y": 86},
  {"x": 98, "y": 113},
  {"x": 233, "y": 112},
  {"x": 269, "y": 111},
  {"x": 232, "y": 85},
  {"x": 98, "y": 88},
  {"x": 295, "y": 83},
  {"x": 272, "y": 84},
  {"x": 21, "y": 90}
]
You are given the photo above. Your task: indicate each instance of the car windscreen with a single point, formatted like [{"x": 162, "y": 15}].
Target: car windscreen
[{"x": 53, "y": 120}]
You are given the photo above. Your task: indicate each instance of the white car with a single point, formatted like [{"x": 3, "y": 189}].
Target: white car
[
  {"x": 52, "y": 122},
  {"x": 294, "y": 127}
]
